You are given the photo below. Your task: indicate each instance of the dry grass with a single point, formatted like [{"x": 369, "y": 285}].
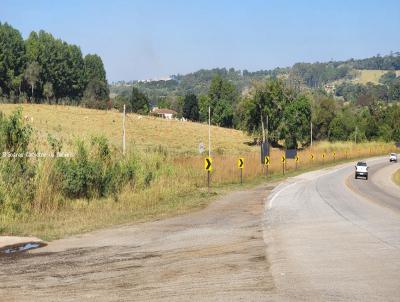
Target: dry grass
[
  {"x": 181, "y": 189},
  {"x": 226, "y": 169},
  {"x": 69, "y": 123},
  {"x": 373, "y": 76}
]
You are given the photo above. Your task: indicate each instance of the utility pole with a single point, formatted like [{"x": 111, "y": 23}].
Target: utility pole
[
  {"x": 267, "y": 134},
  {"x": 123, "y": 133},
  {"x": 209, "y": 131},
  {"x": 209, "y": 147},
  {"x": 311, "y": 134},
  {"x": 262, "y": 124}
]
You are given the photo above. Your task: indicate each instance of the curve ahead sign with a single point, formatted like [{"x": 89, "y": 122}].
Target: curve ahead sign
[
  {"x": 208, "y": 164},
  {"x": 241, "y": 163}
]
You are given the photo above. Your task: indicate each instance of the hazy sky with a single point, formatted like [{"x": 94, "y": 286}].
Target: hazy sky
[{"x": 150, "y": 39}]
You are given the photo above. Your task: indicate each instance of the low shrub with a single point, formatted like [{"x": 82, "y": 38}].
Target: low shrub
[{"x": 94, "y": 172}]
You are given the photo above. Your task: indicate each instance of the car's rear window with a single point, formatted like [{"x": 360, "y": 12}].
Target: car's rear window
[{"x": 360, "y": 163}]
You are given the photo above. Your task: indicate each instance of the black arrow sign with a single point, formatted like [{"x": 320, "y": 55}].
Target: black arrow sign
[
  {"x": 208, "y": 164},
  {"x": 240, "y": 162}
]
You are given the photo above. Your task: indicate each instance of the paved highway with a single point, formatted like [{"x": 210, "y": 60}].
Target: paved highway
[{"x": 330, "y": 237}]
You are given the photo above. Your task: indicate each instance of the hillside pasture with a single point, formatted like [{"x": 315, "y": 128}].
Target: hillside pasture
[
  {"x": 142, "y": 132},
  {"x": 373, "y": 76}
]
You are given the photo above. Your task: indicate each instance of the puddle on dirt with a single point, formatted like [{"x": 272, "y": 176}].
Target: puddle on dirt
[{"x": 21, "y": 248}]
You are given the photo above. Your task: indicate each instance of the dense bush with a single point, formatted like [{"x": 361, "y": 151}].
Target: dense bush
[
  {"x": 16, "y": 171},
  {"x": 93, "y": 173}
]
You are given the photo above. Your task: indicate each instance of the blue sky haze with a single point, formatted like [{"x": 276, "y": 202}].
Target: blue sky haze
[{"x": 150, "y": 39}]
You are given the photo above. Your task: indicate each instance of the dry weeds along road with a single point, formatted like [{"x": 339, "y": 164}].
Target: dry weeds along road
[{"x": 214, "y": 254}]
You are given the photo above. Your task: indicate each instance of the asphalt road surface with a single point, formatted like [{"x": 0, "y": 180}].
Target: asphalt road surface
[
  {"x": 333, "y": 238},
  {"x": 320, "y": 236}
]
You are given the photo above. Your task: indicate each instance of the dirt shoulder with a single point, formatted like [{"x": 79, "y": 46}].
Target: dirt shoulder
[
  {"x": 396, "y": 177},
  {"x": 217, "y": 253}
]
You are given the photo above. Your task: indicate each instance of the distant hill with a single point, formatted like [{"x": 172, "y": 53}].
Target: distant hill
[{"x": 309, "y": 75}]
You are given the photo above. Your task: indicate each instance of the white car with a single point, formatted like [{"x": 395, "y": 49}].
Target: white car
[
  {"x": 361, "y": 170},
  {"x": 393, "y": 157}
]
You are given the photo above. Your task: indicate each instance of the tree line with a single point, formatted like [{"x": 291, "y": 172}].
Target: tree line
[
  {"x": 387, "y": 62},
  {"x": 45, "y": 69},
  {"x": 282, "y": 110}
]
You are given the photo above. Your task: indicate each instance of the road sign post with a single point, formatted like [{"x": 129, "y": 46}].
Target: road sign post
[
  {"x": 266, "y": 163},
  {"x": 208, "y": 181},
  {"x": 208, "y": 168},
  {"x": 297, "y": 160},
  {"x": 283, "y": 158},
  {"x": 241, "y": 166}
]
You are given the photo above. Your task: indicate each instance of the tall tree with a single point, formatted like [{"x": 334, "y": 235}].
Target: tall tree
[
  {"x": 204, "y": 103},
  {"x": 223, "y": 97},
  {"x": 62, "y": 64},
  {"x": 32, "y": 74},
  {"x": 48, "y": 90},
  {"x": 94, "y": 68},
  {"x": 139, "y": 101},
  {"x": 295, "y": 125},
  {"x": 12, "y": 58},
  {"x": 267, "y": 99},
  {"x": 191, "y": 107},
  {"x": 96, "y": 90},
  {"x": 324, "y": 111}
]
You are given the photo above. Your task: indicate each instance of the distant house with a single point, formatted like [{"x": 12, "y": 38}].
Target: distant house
[
  {"x": 164, "y": 113},
  {"x": 330, "y": 88}
]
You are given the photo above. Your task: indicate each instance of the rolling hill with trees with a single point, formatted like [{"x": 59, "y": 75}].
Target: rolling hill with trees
[
  {"x": 332, "y": 95},
  {"x": 44, "y": 69},
  {"x": 304, "y": 75}
]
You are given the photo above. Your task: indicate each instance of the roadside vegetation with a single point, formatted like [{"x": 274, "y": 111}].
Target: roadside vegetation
[{"x": 54, "y": 195}]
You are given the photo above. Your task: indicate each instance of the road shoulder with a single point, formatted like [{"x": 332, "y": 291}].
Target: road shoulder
[{"x": 217, "y": 253}]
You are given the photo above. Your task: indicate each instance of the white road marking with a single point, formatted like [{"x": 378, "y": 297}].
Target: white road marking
[{"x": 271, "y": 198}]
